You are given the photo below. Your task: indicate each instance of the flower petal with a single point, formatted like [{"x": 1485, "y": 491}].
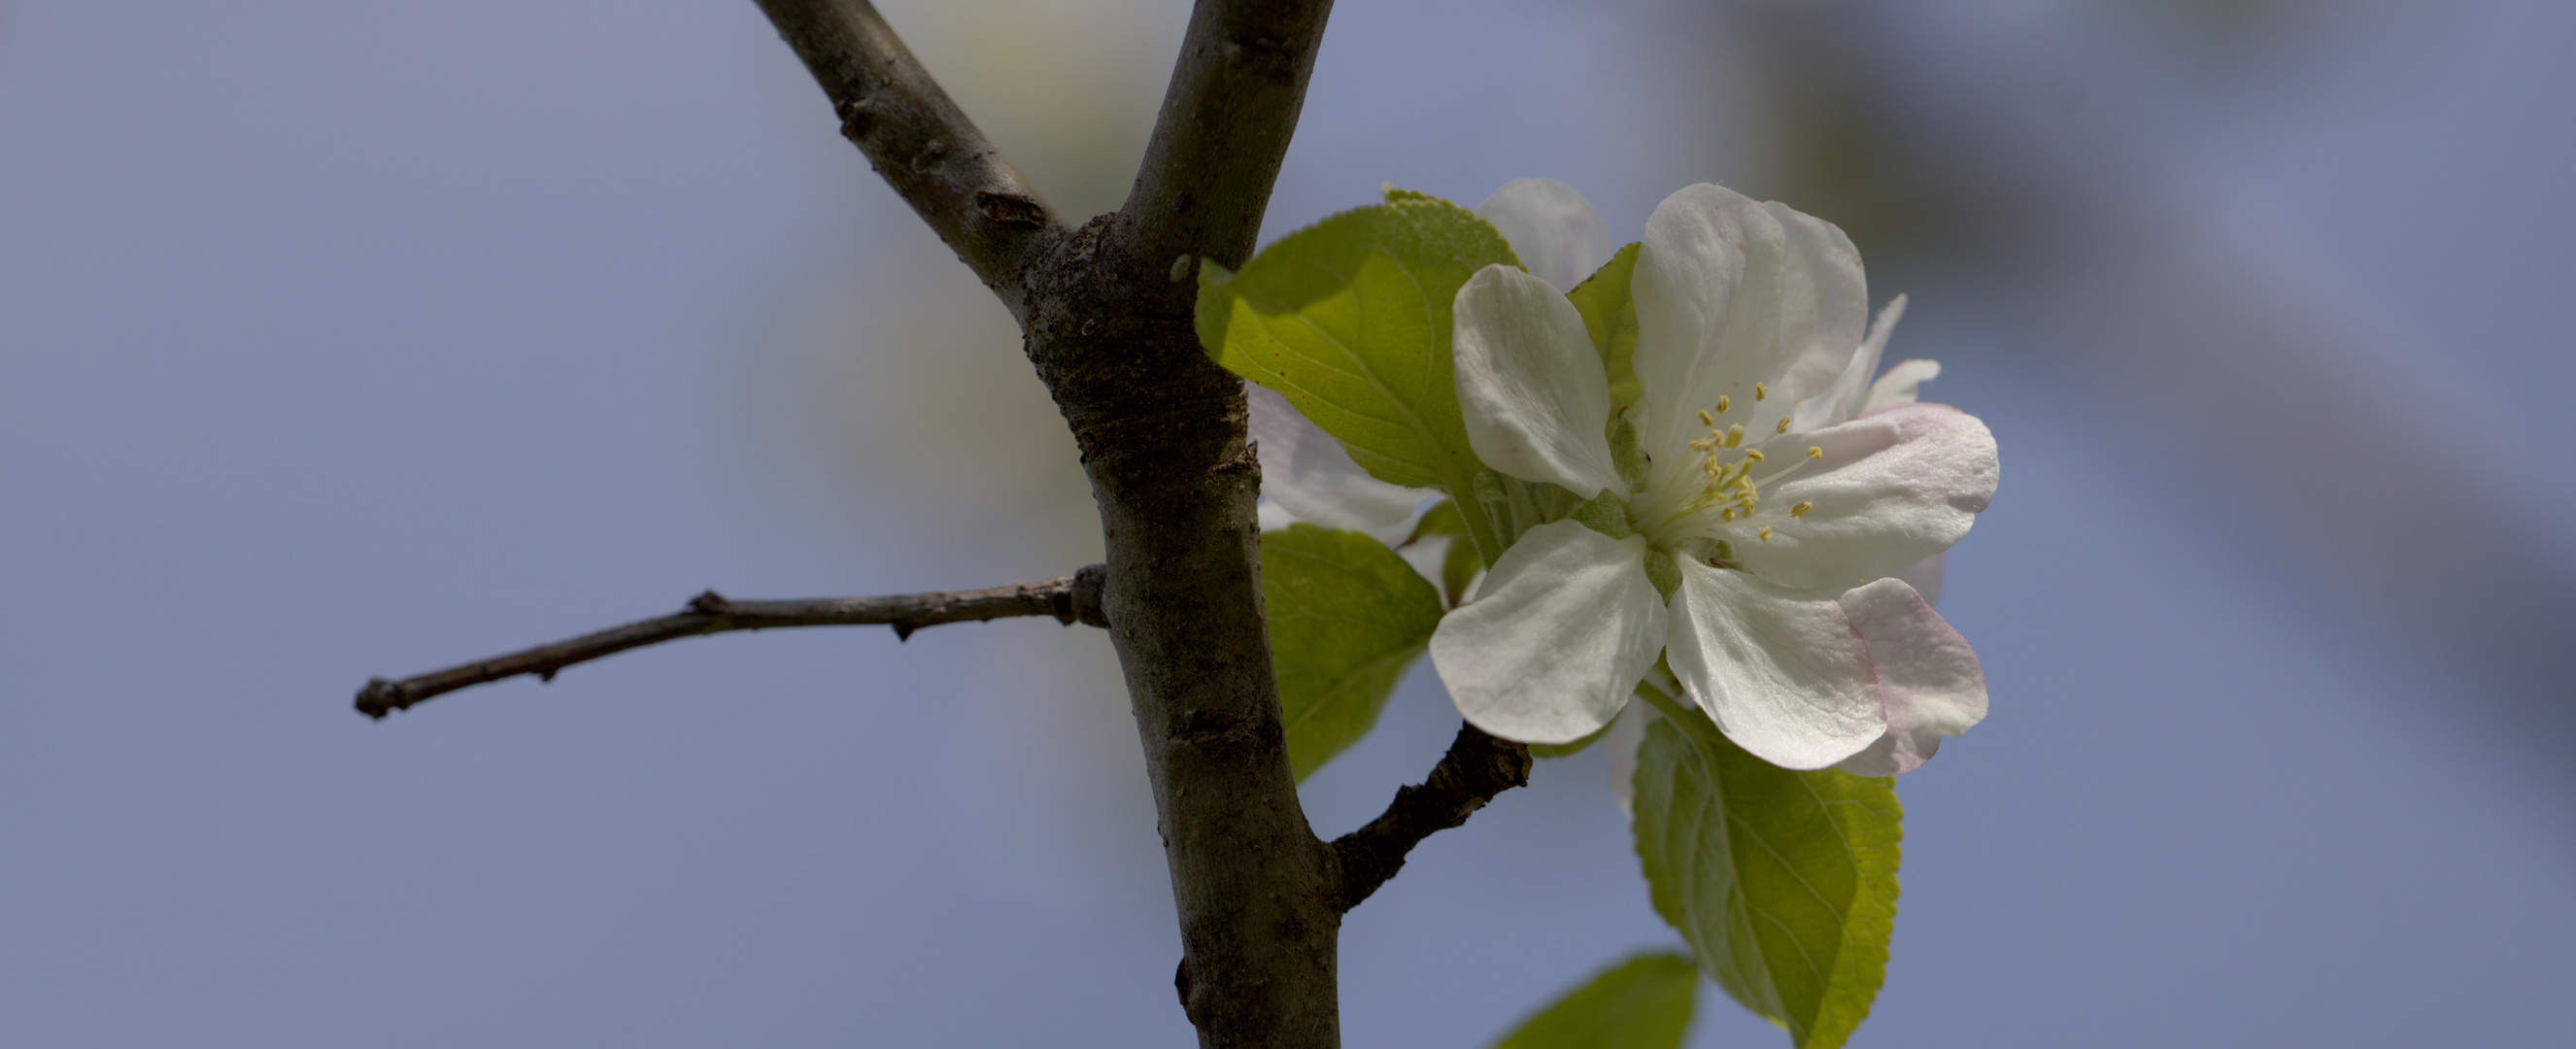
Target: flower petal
[
  {"x": 1534, "y": 398},
  {"x": 1557, "y": 638},
  {"x": 1781, "y": 671},
  {"x": 1899, "y": 385},
  {"x": 1925, "y": 576},
  {"x": 1927, "y": 674},
  {"x": 1308, "y": 474},
  {"x": 1844, "y": 399},
  {"x": 1709, "y": 264},
  {"x": 1754, "y": 302},
  {"x": 1824, "y": 304},
  {"x": 1891, "y": 489},
  {"x": 1556, "y": 232}
]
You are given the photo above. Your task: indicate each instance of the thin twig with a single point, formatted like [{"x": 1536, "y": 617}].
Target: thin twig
[
  {"x": 918, "y": 139},
  {"x": 1071, "y": 599},
  {"x": 1477, "y": 767}
]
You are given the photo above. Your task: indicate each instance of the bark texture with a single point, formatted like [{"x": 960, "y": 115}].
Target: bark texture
[
  {"x": 1106, "y": 311},
  {"x": 1161, "y": 429}
]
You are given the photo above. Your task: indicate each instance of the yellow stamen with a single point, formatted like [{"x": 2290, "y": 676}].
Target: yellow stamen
[
  {"x": 1801, "y": 509},
  {"x": 1766, "y": 533},
  {"x": 1752, "y": 456},
  {"x": 1726, "y": 514},
  {"x": 1783, "y": 427},
  {"x": 1760, "y": 391},
  {"x": 1735, "y": 435},
  {"x": 1721, "y": 405},
  {"x": 1704, "y": 420},
  {"x": 1814, "y": 452}
]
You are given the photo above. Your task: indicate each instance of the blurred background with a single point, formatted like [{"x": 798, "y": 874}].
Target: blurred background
[{"x": 340, "y": 340}]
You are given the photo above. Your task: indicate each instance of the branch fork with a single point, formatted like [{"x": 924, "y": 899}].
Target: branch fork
[{"x": 1107, "y": 312}]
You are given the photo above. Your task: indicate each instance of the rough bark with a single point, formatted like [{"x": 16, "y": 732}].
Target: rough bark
[
  {"x": 1161, "y": 430},
  {"x": 1162, "y": 436},
  {"x": 1106, "y": 311}
]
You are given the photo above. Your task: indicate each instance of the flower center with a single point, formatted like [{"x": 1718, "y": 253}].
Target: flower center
[{"x": 1727, "y": 496}]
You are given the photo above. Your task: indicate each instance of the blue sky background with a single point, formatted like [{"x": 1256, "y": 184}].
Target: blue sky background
[{"x": 341, "y": 340}]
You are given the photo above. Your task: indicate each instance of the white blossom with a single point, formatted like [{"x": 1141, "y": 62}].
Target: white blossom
[{"x": 1753, "y": 537}]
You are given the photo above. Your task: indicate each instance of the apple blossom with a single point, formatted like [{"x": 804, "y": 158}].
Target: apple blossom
[{"x": 1742, "y": 523}]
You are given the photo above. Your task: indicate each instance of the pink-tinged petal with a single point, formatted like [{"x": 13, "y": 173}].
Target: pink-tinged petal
[
  {"x": 1556, "y": 232},
  {"x": 1531, "y": 390},
  {"x": 1900, "y": 385},
  {"x": 1308, "y": 474},
  {"x": 1781, "y": 671},
  {"x": 1891, "y": 488},
  {"x": 1557, "y": 638},
  {"x": 1926, "y": 672},
  {"x": 1926, "y": 575}
]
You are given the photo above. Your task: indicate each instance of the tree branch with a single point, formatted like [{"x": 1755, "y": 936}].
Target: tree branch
[
  {"x": 1071, "y": 599},
  {"x": 1107, "y": 315},
  {"x": 1225, "y": 125},
  {"x": 1477, "y": 767},
  {"x": 1161, "y": 428},
  {"x": 921, "y": 143}
]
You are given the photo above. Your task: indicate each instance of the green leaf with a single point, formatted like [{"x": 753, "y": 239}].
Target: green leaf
[
  {"x": 1610, "y": 315},
  {"x": 1643, "y": 1003},
  {"x": 1784, "y": 882},
  {"x": 1349, "y": 319},
  {"x": 1347, "y": 616}
]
